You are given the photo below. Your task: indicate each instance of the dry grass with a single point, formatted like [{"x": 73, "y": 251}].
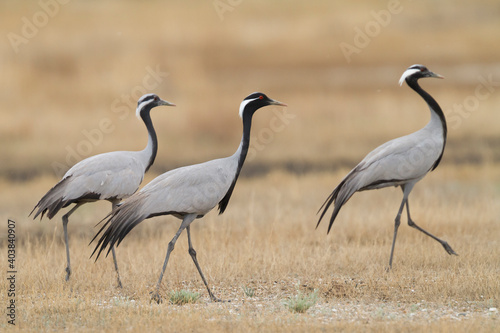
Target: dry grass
[
  {"x": 91, "y": 54},
  {"x": 267, "y": 241}
]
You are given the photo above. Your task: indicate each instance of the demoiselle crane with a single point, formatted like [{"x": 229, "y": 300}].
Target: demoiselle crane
[
  {"x": 187, "y": 193},
  {"x": 399, "y": 162},
  {"x": 110, "y": 176}
]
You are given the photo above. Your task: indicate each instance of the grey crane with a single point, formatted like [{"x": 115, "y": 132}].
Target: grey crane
[
  {"x": 187, "y": 193},
  {"x": 110, "y": 176},
  {"x": 399, "y": 162}
]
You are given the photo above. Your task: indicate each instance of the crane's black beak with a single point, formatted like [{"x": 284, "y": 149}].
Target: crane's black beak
[
  {"x": 162, "y": 102},
  {"x": 274, "y": 102}
]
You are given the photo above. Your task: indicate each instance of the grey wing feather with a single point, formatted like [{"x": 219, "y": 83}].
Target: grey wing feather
[
  {"x": 194, "y": 189},
  {"x": 115, "y": 175},
  {"x": 396, "y": 162},
  {"x": 52, "y": 201},
  {"x": 120, "y": 223}
]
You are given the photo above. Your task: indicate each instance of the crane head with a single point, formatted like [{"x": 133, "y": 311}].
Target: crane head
[
  {"x": 416, "y": 72},
  {"x": 149, "y": 101},
  {"x": 255, "y": 101}
]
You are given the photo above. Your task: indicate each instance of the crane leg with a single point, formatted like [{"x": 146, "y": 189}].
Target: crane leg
[
  {"x": 114, "y": 206},
  {"x": 116, "y": 268},
  {"x": 412, "y": 224},
  {"x": 406, "y": 192},
  {"x": 155, "y": 296},
  {"x": 192, "y": 252},
  {"x": 65, "y": 228},
  {"x": 397, "y": 222}
]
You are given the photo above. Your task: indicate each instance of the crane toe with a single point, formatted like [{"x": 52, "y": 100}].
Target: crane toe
[
  {"x": 448, "y": 249},
  {"x": 155, "y": 297},
  {"x": 218, "y": 300}
]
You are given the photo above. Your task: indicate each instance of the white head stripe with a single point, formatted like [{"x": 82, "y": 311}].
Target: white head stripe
[
  {"x": 407, "y": 73},
  {"x": 140, "y": 106},
  {"x": 244, "y": 104},
  {"x": 145, "y": 99},
  {"x": 146, "y": 96}
]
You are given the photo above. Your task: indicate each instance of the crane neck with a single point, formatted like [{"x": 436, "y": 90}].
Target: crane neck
[
  {"x": 245, "y": 142},
  {"x": 431, "y": 102},
  {"x": 240, "y": 154},
  {"x": 152, "y": 146},
  {"x": 435, "y": 111},
  {"x": 245, "y": 138}
]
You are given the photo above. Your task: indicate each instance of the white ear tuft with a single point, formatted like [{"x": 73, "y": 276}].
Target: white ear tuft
[
  {"x": 145, "y": 99},
  {"x": 410, "y": 71},
  {"x": 244, "y": 104},
  {"x": 138, "y": 110}
]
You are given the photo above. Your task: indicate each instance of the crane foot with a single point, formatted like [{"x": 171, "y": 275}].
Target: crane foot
[
  {"x": 68, "y": 273},
  {"x": 448, "y": 248},
  {"x": 155, "y": 297}
]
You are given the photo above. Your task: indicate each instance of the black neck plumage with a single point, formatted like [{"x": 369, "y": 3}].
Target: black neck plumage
[
  {"x": 153, "y": 141},
  {"x": 245, "y": 144},
  {"x": 434, "y": 106}
]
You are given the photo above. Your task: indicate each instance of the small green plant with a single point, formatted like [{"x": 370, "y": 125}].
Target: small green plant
[
  {"x": 182, "y": 297},
  {"x": 121, "y": 301},
  {"x": 414, "y": 307},
  {"x": 301, "y": 303},
  {"x": 249, "y": 291}
]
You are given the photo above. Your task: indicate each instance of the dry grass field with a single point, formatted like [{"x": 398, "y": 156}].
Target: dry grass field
[{"x": 67, "y": 67}]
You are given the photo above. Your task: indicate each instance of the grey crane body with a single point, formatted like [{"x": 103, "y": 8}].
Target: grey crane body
[
  {"x": 399, "y": 162},
  {"x": 187, "y": 193},
  {"x": 208, "y": 183},
  {"x": 109, "y": 176}
]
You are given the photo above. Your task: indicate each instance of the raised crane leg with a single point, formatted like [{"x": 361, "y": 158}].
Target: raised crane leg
[
  {"x": 406, "y": 192},
  {"x": 446, "y": 246},
  {"x": 192, "y": 252}
]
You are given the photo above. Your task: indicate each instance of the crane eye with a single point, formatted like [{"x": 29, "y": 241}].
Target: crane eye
[
  {"x": 261, "y": 97},
  {"x": 156, "y": 98}
]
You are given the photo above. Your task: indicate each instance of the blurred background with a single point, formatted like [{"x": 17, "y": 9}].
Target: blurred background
[{"x": 71, "y": 73}]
